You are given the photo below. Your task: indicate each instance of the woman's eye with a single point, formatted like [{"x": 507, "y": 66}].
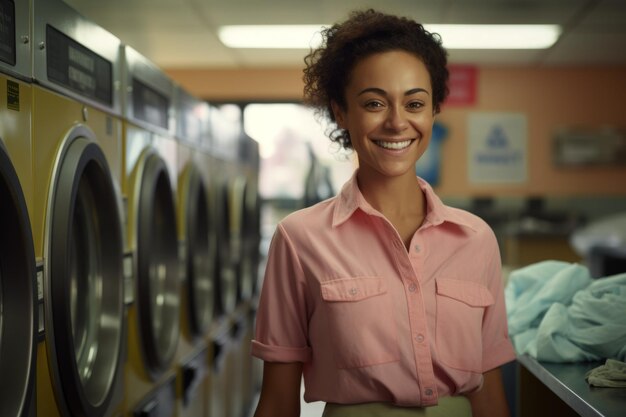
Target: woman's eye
[
  {"x": 414, "y": 105},
  {"x": 373, "y": 105}
]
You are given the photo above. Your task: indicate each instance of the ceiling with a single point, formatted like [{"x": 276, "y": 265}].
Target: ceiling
[{"x": 183, "y": 33}]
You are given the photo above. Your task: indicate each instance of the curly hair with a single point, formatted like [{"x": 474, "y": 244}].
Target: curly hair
[{"x": 365, "y": 33}]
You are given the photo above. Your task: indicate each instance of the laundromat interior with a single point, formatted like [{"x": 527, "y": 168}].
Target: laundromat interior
[{"x": 145, "y": 163}]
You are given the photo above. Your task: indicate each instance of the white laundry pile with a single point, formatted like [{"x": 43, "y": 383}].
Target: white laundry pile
[
  {"x": 557, "y": 313},
  {"x": 609, "y": 232}
]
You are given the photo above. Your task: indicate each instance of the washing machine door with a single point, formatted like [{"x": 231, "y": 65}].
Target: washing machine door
[
  {"x": 252, "y": 236},
  {"x": 200, "y": 256},
  {"x": 158, "y": 296},
  {"x": 239, "y": 228},
  {"x": 17, "y": 295},
  {"x": 84, "y": 284},
  {"x": 226, "y": 282}
]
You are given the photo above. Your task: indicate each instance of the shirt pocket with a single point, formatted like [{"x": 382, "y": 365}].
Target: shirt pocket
[
  {"x": 361, "y": 322},
  {"x": 460, "y": 309}
]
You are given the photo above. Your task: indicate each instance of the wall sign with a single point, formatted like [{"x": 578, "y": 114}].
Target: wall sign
[
  {"x": 462, "y": 85},
  {"x": 428, "y": 167},
  {"x": 497, "y": 148},
  {"x": 590, "y": 146}
]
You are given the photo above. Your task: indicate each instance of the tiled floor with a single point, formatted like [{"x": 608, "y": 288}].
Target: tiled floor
[{"x": 306, "y": 409}]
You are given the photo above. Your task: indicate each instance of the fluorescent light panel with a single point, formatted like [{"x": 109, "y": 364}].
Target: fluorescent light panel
[
  {"x": 454, "y": 36},
  {"x": 271, "y": 36},
  {"x": 496, "y": 36}
]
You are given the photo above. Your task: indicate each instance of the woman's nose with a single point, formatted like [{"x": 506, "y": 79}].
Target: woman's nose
[{"x": 396, "y": 119}]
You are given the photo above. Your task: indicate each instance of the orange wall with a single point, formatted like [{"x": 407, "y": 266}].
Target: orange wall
[
  {"x": 549, "y": 97},
  {"x": 241, "y": 85}
]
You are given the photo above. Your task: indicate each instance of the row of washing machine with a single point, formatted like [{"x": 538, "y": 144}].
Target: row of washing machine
[{"x": 129, "y": 230}]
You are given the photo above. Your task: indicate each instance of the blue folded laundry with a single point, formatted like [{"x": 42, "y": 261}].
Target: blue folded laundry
[{"x": 557, "y": 313}]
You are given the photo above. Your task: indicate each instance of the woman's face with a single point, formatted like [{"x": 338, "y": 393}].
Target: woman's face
[{"x": 389, "y": 113}]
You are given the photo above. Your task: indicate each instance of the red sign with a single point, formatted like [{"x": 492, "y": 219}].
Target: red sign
[{"x": 462, "y": 85}]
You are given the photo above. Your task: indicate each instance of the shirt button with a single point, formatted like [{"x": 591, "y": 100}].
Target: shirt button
[
  {"x": 353, "y": 291},
  {"x": 417, "y": 248},
  {"x": 419, "y": 338},
  {"x": 412, "y": 287},
  {"x": 428, "y": 392}
]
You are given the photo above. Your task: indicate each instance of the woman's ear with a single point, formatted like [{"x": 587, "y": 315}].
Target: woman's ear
[{"x": 338, "y": 113}]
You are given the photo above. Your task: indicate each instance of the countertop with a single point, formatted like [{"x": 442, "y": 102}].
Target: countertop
[{"x": 567, "y": 380}]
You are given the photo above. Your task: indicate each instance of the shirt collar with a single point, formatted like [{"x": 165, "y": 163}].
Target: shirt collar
[{"x": 350, "y": 199}]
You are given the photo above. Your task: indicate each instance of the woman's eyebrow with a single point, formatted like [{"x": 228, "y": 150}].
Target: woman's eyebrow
[
  {"x": 415, "y": 91},
  {"x": 382, "y": 92}
]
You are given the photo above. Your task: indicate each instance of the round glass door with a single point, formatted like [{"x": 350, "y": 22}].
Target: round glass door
[
  {"x": 17, "y": 294},
  {"x": 161, "y": 299},
  {"x": 200, "y": 255},
  {"x": 1, "y": 304},
  {"x": 85, "y": 282},
  {"x": 238, "y": 240},
  {"x": 84, "y": 320},
  {"x": 1, "y": 309},
  {"x": 227, "y": 278},
  {"x": 157, "y": 262},
  {"x": 252, "y": 235}
]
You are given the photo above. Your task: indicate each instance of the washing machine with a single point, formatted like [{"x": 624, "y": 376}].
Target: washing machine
[
  {"x": 250, "y": 272},
  {"x": 153, "y": 279},
  {"x": 77, "y": 213},
  {"x": 223, "y": 160},
  {"x": 246, "y": 208},
  {"x": 245, "y": 221},
  {"x": 244, "y": 238},
  {"x": 225, "y": 131},
  {"x": 221, "y": 157},
  {"x": 197, "y": 253},
  {"x": 18, "y": 286}
]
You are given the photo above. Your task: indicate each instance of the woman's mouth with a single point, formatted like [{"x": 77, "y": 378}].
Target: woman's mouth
[{"x": 395, "y": 145}]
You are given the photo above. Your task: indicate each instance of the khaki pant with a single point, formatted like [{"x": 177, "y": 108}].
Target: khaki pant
[{"x": 447, "y": 407}]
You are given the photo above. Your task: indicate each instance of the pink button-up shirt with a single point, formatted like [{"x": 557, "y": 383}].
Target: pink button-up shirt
[{"x": 372, "y": 321}]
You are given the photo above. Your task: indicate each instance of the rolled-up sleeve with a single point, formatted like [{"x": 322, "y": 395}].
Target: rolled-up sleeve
[
  {"x": 281, "y": 333},
  {"x": 497, "y": 347}
]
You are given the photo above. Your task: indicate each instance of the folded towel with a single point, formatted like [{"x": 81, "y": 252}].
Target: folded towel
[{"x": 612, "y": 374}]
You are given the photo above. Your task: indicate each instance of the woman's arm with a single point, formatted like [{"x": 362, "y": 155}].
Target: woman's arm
[
  {"x": 280, "y": 392},
  {"x": 490, "y": 400}
]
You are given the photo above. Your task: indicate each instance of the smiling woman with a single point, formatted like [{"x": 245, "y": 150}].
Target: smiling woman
[
  {"x": 387, "y": 301},
  {"x": 388, "y": 112}
]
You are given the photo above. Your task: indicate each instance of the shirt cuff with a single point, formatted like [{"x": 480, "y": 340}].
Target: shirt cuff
[
  {"x": 280, "y": 354},
  {"x": 498, "y": 355}
]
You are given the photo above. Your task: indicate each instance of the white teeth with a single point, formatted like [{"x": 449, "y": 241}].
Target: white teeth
[{"x": 393, "y": 145}]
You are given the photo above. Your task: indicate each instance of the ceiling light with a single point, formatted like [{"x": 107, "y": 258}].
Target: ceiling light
[
  {"x": 453, "y": 36},
  {"x": 271, "y": 36},
  {"x": 496, "y": 36}
]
